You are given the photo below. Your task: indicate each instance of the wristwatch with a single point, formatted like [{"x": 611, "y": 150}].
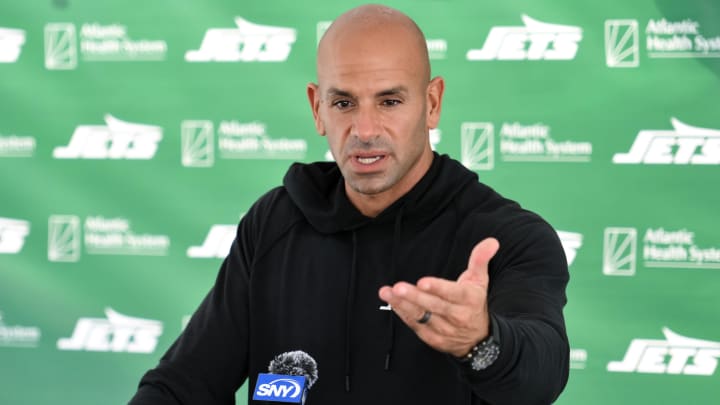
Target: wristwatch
[{"x": 484, "y": 353}]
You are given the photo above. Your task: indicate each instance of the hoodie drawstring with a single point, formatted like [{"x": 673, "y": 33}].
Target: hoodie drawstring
[
  {"x": 349, "y": 303},
  {"x": 393, "y": 278}
]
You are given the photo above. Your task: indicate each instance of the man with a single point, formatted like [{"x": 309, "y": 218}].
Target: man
[{"x": 405, "y": 279}]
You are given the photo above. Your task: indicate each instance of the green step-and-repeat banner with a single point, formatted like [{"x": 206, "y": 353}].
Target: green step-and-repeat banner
[{"x": 135, "y": 134}]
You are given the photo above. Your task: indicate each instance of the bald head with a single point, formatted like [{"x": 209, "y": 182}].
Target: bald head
[{"x": 369, "y": 28}]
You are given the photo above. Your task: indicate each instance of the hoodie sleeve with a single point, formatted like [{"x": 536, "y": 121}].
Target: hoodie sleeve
[
  {"x": 209, "y": 360},
  {"x": 526, "y": 297}
]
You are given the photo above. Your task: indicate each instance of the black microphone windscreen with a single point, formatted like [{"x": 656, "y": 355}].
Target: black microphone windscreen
[{"x": 295, "y": 363}]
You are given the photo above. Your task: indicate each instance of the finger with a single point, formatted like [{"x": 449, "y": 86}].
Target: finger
[
  {"x": 411, "y": 297},
  {"x": 477, "y": 270},
  {"x": 450, "y": 291},
  {"x": 436, "y": 326}
]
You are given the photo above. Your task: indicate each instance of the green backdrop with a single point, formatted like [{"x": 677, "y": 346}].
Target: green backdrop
[{"x": 134, "y": 135}]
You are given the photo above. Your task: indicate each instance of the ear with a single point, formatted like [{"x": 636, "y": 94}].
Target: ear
[
  {"x": 435, "y": 91},
  {"x": 313, "y": 93}
]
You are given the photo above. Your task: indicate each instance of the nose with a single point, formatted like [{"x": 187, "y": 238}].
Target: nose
[{"x": 366, "y": 123}]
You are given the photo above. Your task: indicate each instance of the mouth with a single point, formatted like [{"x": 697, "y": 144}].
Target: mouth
[{"x": 368, "y": 160}]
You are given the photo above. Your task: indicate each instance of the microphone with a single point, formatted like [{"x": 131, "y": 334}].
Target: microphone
[{"x": 291, "y": 374}]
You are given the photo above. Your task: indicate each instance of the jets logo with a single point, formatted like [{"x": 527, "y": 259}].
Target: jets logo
[
  {"x": 117, "y": 333},
  {"x": 682, "y": 145},
  {"x": 116, "y": 140},
  {"x": 247, "y": 43},
  {"x": 535, "y": 41}
]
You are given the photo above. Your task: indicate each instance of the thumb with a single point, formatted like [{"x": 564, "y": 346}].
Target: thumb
[{"x": 477, "y": 270}]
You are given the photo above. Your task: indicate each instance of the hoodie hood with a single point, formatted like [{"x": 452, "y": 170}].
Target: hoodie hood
[{"x": 318, "y": 190}]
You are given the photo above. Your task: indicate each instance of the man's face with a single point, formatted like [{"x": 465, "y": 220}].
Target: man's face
[{"x": 375, "y": 105}]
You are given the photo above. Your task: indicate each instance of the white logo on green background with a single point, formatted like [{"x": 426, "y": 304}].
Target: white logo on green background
[
  {"x": 535, "y": 41},
  {"x": 320, "y": 29},
  {"x": 622, "y": 46},
  {"x": 12, "y": 235},
  {"x": 476, "y": 145},
  {"x": 661, "y": 248},
  {"x": 675, "y": 355},
  {"x": 677, "y": 249},
  {"x": 11, "y": 42},
  {"x": 60, "y": 46},
  {"x": 117, "y": 333},
  {"x": 197, "y": 143},
  {"x": 97, "y": 42},
  {"x": 18, "y": 336},
  {"x": 619, "y": 251},
  {"x": 17, "y": 146},
  {"x": 100, "y": 236},
  {"x": 683, "y": 145},
  {"x": 247, "y": 43},
  {"x": 679, "y": 39},
  {"x": 578, "y": 358},
  {"x": 216, "y": 244},
  {"x": 116, "y": 140},
  {"x": 571, "y": 242},
  {"x": 64, "y": 238},
  {"x": 535, "y": 143}
]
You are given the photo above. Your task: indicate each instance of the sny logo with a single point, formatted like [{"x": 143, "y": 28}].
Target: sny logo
[
  {"x": 11, "y": 42},
  {"x": 535, "y": 41},
  {"x": 117, "y": 140},
  {"x": 12, "y": 235},
  {"x": 675, "y": 355},
  {"x": 217, "y": 243},
  {"x": 683, "y": 145},
  {"x": 279, "y": 388},
  {"x": 247, "y": 43},
  {"x": 117, "y": 333}
]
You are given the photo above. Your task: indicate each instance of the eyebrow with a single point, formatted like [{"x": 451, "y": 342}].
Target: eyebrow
[{"x": 333, "y": 91}]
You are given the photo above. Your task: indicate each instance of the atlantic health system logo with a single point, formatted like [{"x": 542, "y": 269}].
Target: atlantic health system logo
[
  {"x": 682, "y": 145},
  {"x": 116, "y": 333},
  {"x": 535, "y": 40},
  {"x": 664, "y": 39},
  {"x": 675, "y": 354},
  {"x": 11, "y": 42},
  {"x": 661, "y": 248},
  {"x": 235, "y": 140},
  {"x": 96, "y": 43},
  {"x": 102, "y": 236},
  {"x": 248, "y": 42},
  {"x": 116, "y": 140},
  {"x": 517, "y": 142}
]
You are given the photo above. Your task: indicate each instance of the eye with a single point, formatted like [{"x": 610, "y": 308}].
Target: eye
[
  {"x": 342, "y": 104},
  {"x": 390, "y": 103}
]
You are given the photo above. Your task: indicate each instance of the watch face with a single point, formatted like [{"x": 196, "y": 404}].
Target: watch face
[{"x": 485, "y": 354}]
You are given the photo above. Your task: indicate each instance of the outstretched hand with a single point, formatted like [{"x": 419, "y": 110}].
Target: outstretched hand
[{"x": 460, "y": 317}]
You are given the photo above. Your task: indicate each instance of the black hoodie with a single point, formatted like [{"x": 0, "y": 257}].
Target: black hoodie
[{"x": 304, "y": 274}]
